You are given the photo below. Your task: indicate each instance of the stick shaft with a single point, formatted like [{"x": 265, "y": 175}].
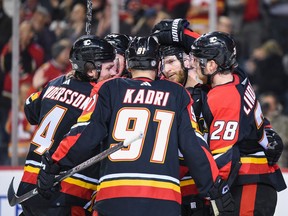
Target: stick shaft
[
  {"x": 88, "y": 17},
  {"x": 14, "y": 199},
  {"x": 89, "y": 162}
]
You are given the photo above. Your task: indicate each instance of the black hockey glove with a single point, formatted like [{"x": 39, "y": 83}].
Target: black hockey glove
[
  {"x": 222, "y": 202},
  {"x": 170, "y": 31},
  {"x": 275, "y": 146},
  {"x": 46, "y": 177}
]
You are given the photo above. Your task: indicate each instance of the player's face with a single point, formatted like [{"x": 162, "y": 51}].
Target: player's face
[
  {"x": 172, "y": 69},
  {"x": 119, "y": 64},
  {"x": 200, "y": 76},
  {"x": 108, "y": 71}
]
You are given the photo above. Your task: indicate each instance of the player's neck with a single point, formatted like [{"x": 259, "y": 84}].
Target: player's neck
[
  {"x": 150, "y": 74},
  {"x": 220, "y": 79}
]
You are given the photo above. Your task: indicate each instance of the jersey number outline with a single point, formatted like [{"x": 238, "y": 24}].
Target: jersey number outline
[
  {"x": 44, "y": 134},
  {"x": 229, "y": 130},
  {"x": 231, "y": 126},
  {"x": 134, "y": 119}
]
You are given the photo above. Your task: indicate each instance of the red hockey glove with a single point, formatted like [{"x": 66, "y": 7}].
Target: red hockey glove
[
  {"x": 46, "y": 177},
  {"x": 222, "y": 202},
  {"x": 170, "y": 31},
  {"x": 275, "y": 146}
]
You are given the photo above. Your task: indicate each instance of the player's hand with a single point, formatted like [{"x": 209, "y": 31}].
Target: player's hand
[
  {"x": 275, "y": 146},
  {"x": 170, "y": 31},
  {"x": 46, "y": 177},
  {"x": 222, "y": 202}
]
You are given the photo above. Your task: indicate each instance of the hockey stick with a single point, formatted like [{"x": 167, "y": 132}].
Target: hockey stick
[
  {"x": 14, "y": 199},
  {"x": 88, "y": 17}
]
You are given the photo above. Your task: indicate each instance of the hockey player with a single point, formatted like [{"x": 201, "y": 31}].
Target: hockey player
[
  {"x": 55, "y": 109},
  {"x": 176, "y": 66},
  {"x": 257, "y": 148},
  {"x": 120, "y": 43},
  {"x": 237, "y": 130},
  {"x": 143, "y": 179},
  {"x": 252, "y": 142}
]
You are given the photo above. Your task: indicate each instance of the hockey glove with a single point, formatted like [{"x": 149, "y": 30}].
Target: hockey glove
[
  {"x": 222, "y": 202},
  {"x": 170, "y": 31},
  {"x": 275, "y": 146},
  {"x": 46, "y": 177}
]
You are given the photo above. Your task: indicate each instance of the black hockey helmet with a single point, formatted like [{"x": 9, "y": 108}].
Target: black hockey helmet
[
  {"x": 143, "y": 54},
  {"x": 90, "y": 50},
  {"x": 119, "y": 41},
  {"x": 170, "y": 50},
  {"x": 217, "y": 46}
]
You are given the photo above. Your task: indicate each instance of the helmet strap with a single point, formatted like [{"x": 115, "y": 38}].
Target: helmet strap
[
  {"x": 98, "y": 67},
  {"x": 209, "y": 76},
  {"x": 162, "y": 68}
]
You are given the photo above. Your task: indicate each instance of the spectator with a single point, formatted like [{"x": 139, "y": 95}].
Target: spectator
[
  {"x": 278, "y": 21},
  {"x": 76, "y": 22},
  {"x": 5, "y": 26},
  {"x": 25, "y": 130},
  {"x": 31, "y": 57},
  {"x": 135, "y": 11},
  {"x": 6, "y": 32},
  {"x": 145, "y": 24},
  {"x": 177, "y": 8},
  {"x": 27, "y": 9},
  {"x": 102, "y": 22},
  {"x": 272, "y": 110},
  {"x": 58, "y": 65},
  {"x": 235, "y": 10},
  {"x": 56, "y": 8},
  {"x": 265, "y": 59},
  {"x": 225, "y": 24},
  {"x": 252, "y": 25},
  {"x": 198, "y": 14},
  {"x": 43, "y": 35}
]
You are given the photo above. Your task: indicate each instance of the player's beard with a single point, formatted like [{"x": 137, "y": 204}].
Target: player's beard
[{"x": 179, "y": 77}]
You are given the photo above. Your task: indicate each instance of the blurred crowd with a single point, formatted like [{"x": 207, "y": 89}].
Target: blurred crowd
[{"x": 49, "y": 27}]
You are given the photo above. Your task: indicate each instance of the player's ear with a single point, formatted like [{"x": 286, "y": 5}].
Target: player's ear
[
  {"x": 211, "y": 65},
  {"x": 186, "y": 63}
]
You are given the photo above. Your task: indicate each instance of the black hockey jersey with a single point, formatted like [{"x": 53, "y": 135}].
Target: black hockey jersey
[
  {"x": 143, "y": 178},
  {"x": 54, "y": 110}
]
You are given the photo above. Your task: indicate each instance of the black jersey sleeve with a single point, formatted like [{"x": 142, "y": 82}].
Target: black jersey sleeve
[
  {"x": 32, "y": 108},
  {"x": 81, "y": 143},
  {"x": 197, "y": 156}
]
